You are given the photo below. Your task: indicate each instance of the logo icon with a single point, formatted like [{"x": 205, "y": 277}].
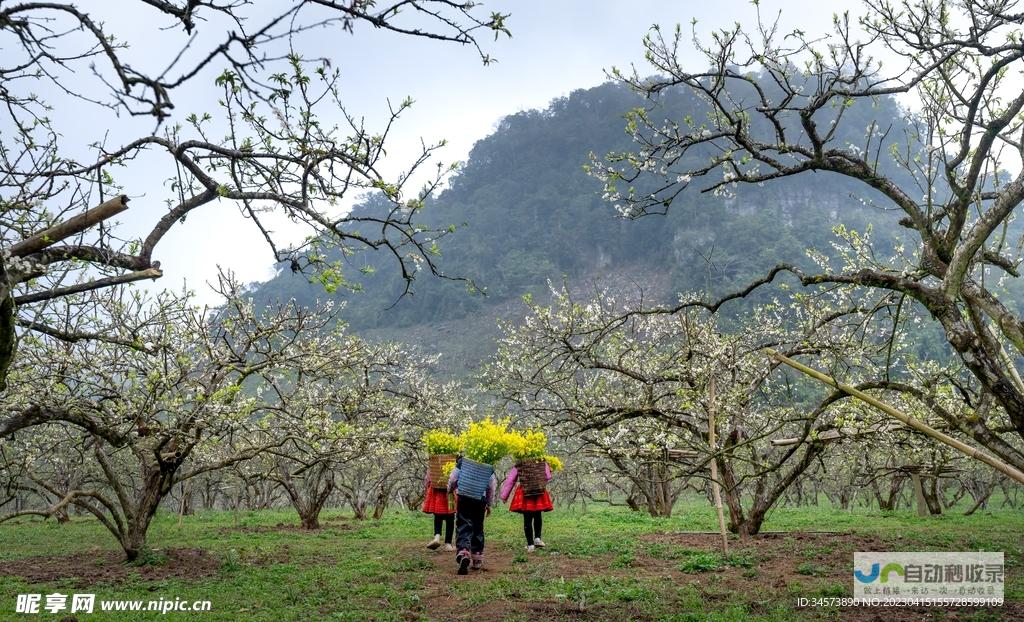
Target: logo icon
[
  {"x": 904, "y": 576},
  {"x": 867, "y": 578},
  {"x": 870, "y": 577}
]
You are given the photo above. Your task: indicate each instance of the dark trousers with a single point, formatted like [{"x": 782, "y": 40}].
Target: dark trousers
[
  {"x": 448, "y": 520},
  {"x": 470, "y": 517},
  {"x": 533, "y": 522}
]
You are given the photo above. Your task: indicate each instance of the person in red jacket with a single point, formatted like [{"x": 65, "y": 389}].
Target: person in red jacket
[
  {"x": 436, "y": 502},
  {"x": 531, "y": 507}
]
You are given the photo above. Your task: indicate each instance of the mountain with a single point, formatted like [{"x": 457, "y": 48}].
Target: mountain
[{"x": 527, "y": 213}]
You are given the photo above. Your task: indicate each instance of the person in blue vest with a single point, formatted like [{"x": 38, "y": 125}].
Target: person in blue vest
[{"x": 475, "y": 492}]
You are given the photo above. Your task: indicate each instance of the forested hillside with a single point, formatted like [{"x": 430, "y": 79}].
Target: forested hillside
[{"x": 526, "y": 212}]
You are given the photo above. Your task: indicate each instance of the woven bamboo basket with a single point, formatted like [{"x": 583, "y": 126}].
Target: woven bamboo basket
[
  {"x": 435, "y": 470},
  {"x": 532, "y": 476},
  {"x": 474, "y": 478}
]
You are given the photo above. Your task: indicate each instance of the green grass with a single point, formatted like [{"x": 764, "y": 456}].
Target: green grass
[{"x": 608, "y": 563}]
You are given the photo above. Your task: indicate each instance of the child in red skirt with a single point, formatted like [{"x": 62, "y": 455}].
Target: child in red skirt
[
  {"x": 435, "y": 501},
  {"x": 531, "y": 507}
]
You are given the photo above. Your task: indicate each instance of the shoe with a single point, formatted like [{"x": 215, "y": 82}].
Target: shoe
[
  {"x": 529, "y": 548},
  {"x": 478, "y": 561},
  {"x": 463, "y": 559},
  {"x": 537, "y": 542},
  {"x": 435, "y": 543},
  {"x": 449, "y": 547}
]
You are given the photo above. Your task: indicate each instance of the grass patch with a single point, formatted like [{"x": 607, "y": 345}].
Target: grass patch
[
  {"x": 623, "y": 560},
  {"x": 810, "y": 570},
  {"x": 707, "y": 562},
  {"x": 608, "y": 563}
]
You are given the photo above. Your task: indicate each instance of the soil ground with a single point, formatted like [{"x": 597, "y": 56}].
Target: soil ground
[{"x": 605, "y": 564}]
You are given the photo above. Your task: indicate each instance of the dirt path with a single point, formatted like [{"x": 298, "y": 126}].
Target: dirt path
[
  {"x": 768, "y": 568},
  {"x": 441, "y": 594}
]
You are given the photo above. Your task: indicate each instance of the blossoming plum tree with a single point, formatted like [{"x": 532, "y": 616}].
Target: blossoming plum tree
[
  {"x": 780, "y": 105},
  {"x": 148, "y": 417},
  {"x": 260, "y": 145},
  {"x": 633, "y": 388},
  {"x": 355, "y": 429}
]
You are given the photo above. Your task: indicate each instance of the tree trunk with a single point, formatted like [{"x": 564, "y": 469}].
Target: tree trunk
[
  {"x": 133, "y": 543},
  {"x": 358, "y": 505},
  {"x": 954, "y": 499},
  {"x": 888, "y": 503},
  {"x": 981, "y": 501},
  {"x": 414, "y": 499},
  {"x": 632, "y": 499},
  {"x": 208, "y": 494},
  {"x": 752, "y": 524},
  {"x": 8, "y": 321},
  {"x": 310, "y": 519},
  {"x": 932, "y": 497},
  {"x": 844, "y": 498},
  {"x": 1009, "y": 494},
  {"x": 309, "y": 501},
  {"x": 381, "y": 503},
  {"x": 730, "y": 494},
  {"x": 133, "y": 540},
  {"x": 656, "y": 493}
]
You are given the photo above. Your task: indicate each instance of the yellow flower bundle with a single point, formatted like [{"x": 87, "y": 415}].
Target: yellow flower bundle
[
  {"x": 554, "y": 462},
  {"x": 447, "y": 468},
  {"x": 487, "y": 441},
  {"x": 528, "y": 444},
  {"x": 440, "y": 442}
]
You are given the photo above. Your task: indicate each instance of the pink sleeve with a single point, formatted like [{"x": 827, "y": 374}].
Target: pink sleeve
[
  {"x": 547, "y": 471},
  {"x": 510, "y": 481}
]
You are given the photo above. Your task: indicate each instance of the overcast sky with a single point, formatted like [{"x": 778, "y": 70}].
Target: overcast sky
[{"x": 556, "y": 47}]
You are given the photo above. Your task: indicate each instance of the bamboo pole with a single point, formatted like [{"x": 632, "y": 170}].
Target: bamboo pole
[
  {"x": 181, "y": 508},
  {"x": 920, "y": 426},
  {"x": 1014, "y": 374},
  {"x": 836, "y": 434},
  {"x": 715, "y": 492},
  {"x": 71, "y": 226}
]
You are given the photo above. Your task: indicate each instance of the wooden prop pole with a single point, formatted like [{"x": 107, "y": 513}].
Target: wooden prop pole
[
  {"x": 715, "y": 491},
  {"x": 69, "y": 227},
  {"x": 920, "y": 426}
]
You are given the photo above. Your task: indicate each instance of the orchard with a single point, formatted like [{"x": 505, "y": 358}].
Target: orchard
[{"x": 264, "y": 356}]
